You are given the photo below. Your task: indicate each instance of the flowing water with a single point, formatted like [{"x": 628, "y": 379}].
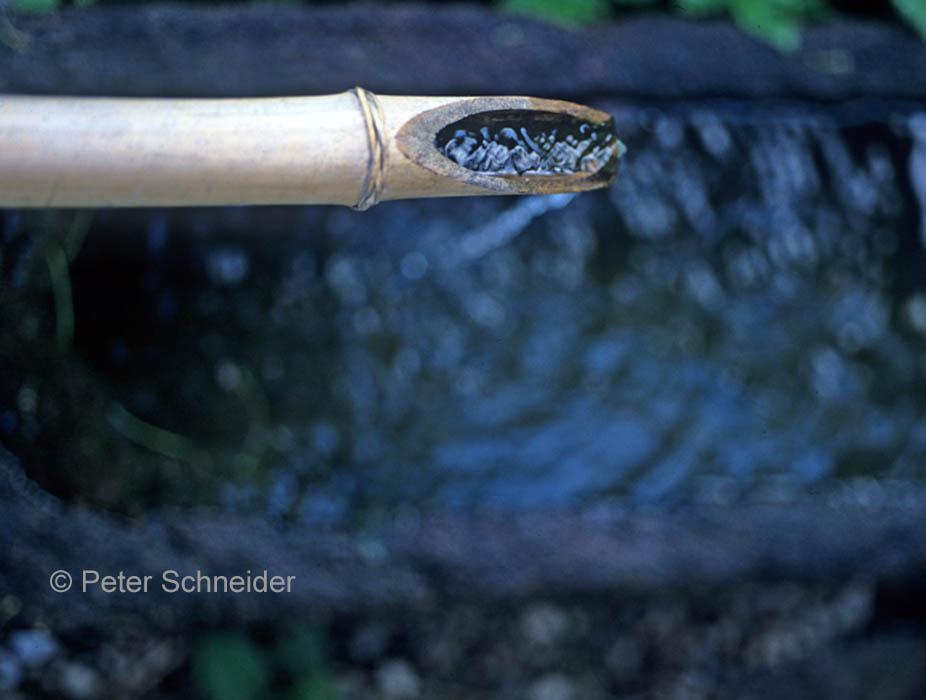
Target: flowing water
[
  {"x": 745, "y": 309},
  {"x": 514, "y": 145}
]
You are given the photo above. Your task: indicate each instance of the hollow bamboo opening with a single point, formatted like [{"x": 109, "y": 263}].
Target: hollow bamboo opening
[{"x": 352, "y": 148}]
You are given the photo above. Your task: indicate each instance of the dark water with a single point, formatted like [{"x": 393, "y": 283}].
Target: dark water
[
  {"x": 513, "y": 144},
  {"x": 744, "y": 310}
]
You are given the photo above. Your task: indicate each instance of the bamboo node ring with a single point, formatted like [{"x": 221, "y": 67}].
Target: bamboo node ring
[
  {"x": 374, "y": 182},
  {"x": 58, "y": 151}
]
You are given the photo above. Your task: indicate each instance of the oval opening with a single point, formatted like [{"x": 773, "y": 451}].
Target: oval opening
[{"x": 528, "y": 142}]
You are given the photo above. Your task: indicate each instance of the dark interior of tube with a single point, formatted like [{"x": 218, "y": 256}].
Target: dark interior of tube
[{"x": 528, "y": 142}]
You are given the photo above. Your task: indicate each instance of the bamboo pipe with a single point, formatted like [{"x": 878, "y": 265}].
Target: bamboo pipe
[{"x": 352, "y": 148}]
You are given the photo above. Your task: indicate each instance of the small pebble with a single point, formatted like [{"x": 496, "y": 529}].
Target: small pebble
[
  {"x": 544, "y": 624},
  {"x": 552, "y": 687},
  {"x": 397, "y": 679},
  {"x": 33, "y": 647},
  {"x": 79, "y": 681}
]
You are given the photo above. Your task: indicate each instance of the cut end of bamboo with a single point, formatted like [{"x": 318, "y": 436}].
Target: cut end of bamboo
[
  {"x": 514, "y": 145},
  {"x": 353, "y": 148}
]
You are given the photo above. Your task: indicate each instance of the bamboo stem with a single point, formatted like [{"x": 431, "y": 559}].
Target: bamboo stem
[{"x": 352, "y": 148}]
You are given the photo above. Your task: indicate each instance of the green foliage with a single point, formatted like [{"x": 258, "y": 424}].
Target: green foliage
[
  {"x": 777, "y": 22},
  {"x": 34, "y": 7},
  {"x": 229, "y": 667},
  {"x": 570, "y": 13},
  {"x": 314, "y": 687},
  {"x": 301, "y": 655},
  {"x": 302, "y": 650},
  {"x": 703, "y": 7},
  {"x": 41, "y": 7},
  {"x": 233, "y": 667},
  {"x": 914, "y": 11}
]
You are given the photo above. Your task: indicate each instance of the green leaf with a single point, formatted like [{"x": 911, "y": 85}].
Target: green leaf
[
  {"x": 302, "y": 650},
  {"x": 772, "y": 21},
  {"x": 34, "y": 7},
  {"x": 635, "y": 3},
  {"x": 316, "y": 686},
  {"x": 229, "y": 667},
  {"x": 569, "y": 13},
  {"x": 914, "y": 11},
  {"x": 777, "y": 22},
  {"x": 805, "y": 9},
  {"x": 702, "y": 7}
]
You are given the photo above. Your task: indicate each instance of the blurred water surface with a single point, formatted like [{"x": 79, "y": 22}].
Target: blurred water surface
[{"x": 745, "y": 309}]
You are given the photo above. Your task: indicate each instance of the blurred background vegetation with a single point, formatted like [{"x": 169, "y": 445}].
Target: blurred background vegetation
[
  {"x": 289, "y": 663},
  {"x": 777, "y": 22}
]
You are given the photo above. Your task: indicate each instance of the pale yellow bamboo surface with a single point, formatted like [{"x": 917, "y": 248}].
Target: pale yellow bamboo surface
[{"x": 330, "y": 149}]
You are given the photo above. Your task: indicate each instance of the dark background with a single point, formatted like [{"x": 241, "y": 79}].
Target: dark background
[{"x": 662, "y": 439}]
